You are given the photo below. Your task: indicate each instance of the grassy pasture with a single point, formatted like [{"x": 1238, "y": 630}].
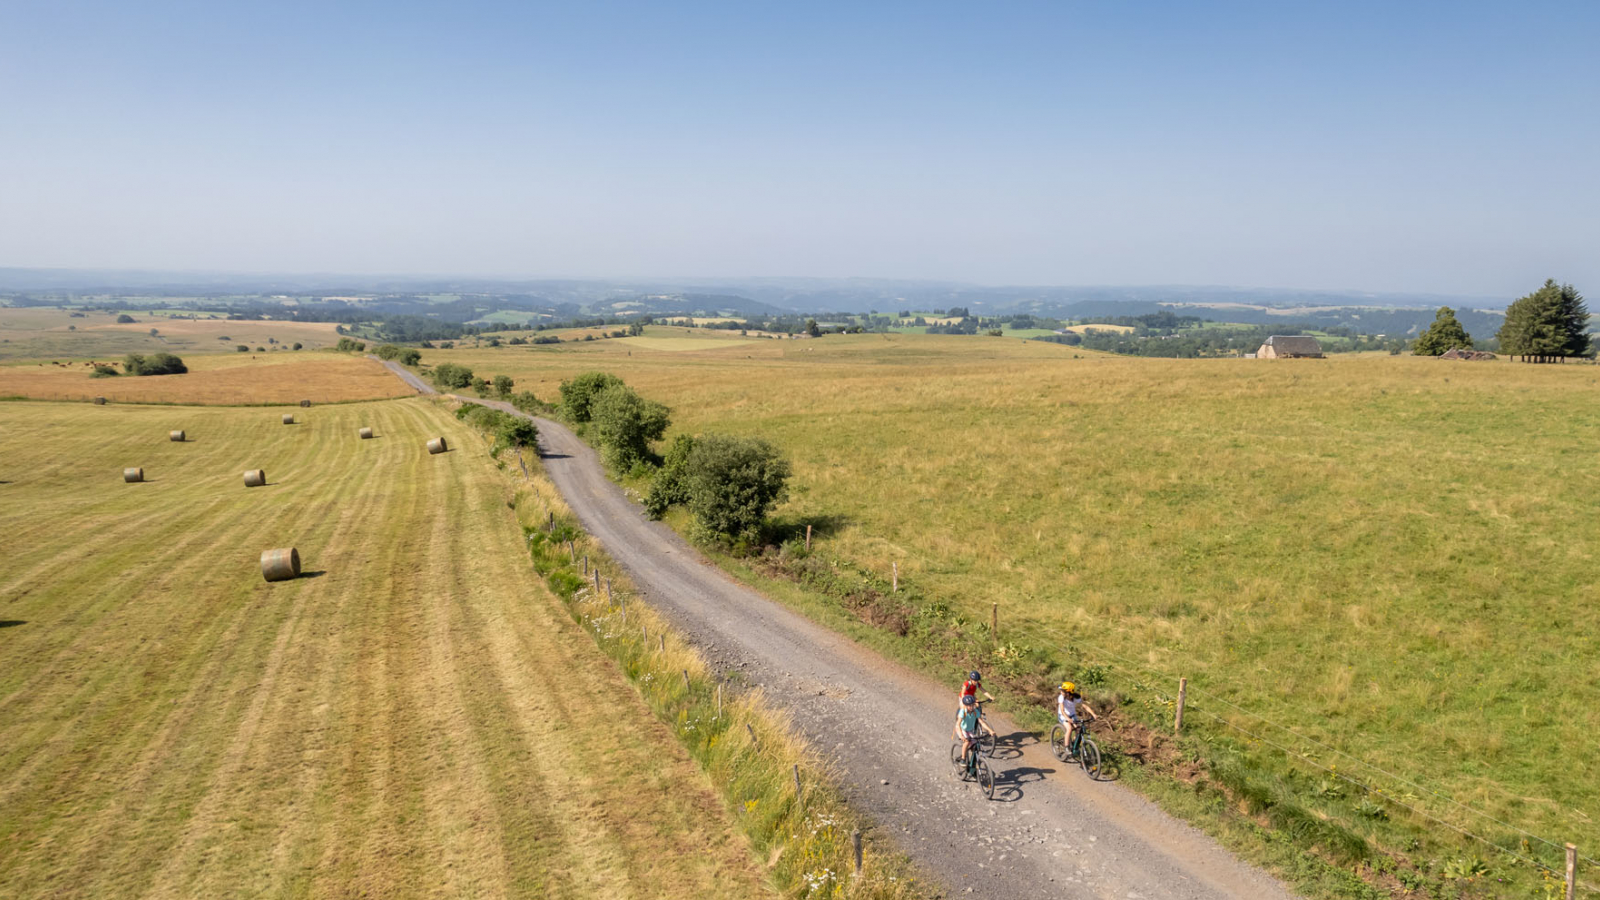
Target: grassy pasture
[
  {"x": 43, "y": 333},
  {"x": 232, "y": 378},
  {"x": 421, "y": 717},
  {"x": 1110, "y": 329},
  {"x": 1390, "y": 555}
]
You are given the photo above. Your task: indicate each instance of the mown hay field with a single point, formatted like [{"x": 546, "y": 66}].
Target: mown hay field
[
  {"x": 417, "y": 716},
  {"x": 46, "y": 333},
  {"x": 230, "y": 378},
  {"x": 1393, "y": 556}
]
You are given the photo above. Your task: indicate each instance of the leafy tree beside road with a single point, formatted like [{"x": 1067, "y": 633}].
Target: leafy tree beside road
[{"x": 728, "y": 483}]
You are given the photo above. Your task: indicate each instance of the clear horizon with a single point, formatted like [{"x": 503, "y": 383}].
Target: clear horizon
[{"x": 1437, "y": 149}]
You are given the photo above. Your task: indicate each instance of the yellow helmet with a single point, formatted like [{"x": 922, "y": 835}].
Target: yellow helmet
[{"x": 1069, "y": 687}]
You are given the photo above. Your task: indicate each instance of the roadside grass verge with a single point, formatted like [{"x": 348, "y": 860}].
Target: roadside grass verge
[{"x": 748, "y": 749}]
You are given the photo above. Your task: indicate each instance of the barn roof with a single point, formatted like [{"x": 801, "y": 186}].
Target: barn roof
[{"x": 1294, "y": 343}]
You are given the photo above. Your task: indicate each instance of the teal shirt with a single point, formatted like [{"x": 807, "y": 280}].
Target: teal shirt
[{"x": 969, "y": 720}]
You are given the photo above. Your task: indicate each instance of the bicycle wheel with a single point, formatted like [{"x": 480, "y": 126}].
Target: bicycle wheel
[
  {"x": 958, "y": 762},
  {"x": 1089, "y": 756},
  {"x": 986, "y": 743},
  {"x": 1058, "y": 742},
  {"x": 985, "y": 779}
]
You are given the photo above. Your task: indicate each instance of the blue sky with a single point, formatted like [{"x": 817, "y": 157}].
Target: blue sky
[{"x": 1387, "y": 146}]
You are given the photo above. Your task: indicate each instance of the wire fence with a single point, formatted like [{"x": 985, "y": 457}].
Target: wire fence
[{"x": 1140, "y": 677}]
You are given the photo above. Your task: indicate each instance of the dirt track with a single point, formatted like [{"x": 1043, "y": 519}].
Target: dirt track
[{"x": 1050, "y": 832}]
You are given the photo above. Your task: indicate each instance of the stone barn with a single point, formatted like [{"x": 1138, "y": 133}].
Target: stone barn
[{"x": 1290, "y": 346}]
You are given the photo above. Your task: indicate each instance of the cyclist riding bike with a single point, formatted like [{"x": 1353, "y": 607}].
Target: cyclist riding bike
[
  {"x": 969, "y": 690},
  {"x": 1069, "y": 706},
  {"x": 966, "y": 730}
]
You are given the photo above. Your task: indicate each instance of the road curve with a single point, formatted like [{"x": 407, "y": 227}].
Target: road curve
[{"x": 1050, "y": 832}]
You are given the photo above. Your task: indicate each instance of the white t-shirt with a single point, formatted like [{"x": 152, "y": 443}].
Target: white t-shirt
[{"x": 1068, "y": 707}]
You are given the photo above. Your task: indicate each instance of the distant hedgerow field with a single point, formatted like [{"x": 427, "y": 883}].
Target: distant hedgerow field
[{"x": 215, "y": 378}]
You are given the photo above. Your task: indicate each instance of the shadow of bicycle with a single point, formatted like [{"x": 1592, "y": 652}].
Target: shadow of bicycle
[{"x": 1008, "y": 783}]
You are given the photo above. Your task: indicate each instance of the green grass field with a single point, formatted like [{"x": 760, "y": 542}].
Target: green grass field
[
  {"x": 417, "y": 716},
  {"x": 1393, "y": 556}
]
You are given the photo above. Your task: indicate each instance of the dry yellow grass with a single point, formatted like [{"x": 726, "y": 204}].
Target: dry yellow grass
[
  {"x": 234, "y": 378},
  {"x": 49, "y": 333},
  {"x": 421, "y": 718}
]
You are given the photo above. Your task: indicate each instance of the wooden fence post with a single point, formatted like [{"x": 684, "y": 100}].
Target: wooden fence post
[
  {"x": 1572, "y": 871},
  {"x": 596, "y": 580},
  {"x": 572, "y": 548},
  {"x": 608, "y": 590},
  {"x": 994, "y": 623},
  {"x": 586, "y": 564},
  {"x": 797, "y": 782},
  {"x": 1183, "y": 694},
  {"x": 808, "y": 538},
  {"x": 550, "y": 526},
  {"x": 719, "y": 701},
  {"x": 663, "y": 637},
  {"x": 855, "y": 841},
  {"x": 896, "y": 588},
  {"x": 686, "y": 680}
]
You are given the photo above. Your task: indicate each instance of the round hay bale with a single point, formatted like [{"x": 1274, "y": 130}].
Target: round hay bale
[
  {"x": 178, "y": 436},
  {"x": 280, "y": 565},
  {"x": 437, "y": 445},
  {"x": 255, "y": 478},
  {"x": 133, "y": 476},
  {"x": 306, "y": 404},
  {"x": 288, "y": 418},
  {"x": 99, "y": 401},
  {"x": 366, "y": 434}
]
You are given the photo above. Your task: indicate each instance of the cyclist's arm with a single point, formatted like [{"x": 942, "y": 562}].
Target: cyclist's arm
[{"x": 1086, "y": 708}]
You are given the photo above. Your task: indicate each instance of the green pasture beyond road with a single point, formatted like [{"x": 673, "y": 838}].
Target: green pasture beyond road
[
  {"x": 1394, "y": 556},
  {"x": 417, "y": 716}
]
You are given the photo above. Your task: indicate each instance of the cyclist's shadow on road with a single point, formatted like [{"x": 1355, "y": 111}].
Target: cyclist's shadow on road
[
  {"x": 1008, "y": 782},
  {"x": 1009, "y": 746}
]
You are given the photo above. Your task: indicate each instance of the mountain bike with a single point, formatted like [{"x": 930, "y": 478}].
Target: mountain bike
[
  {"x": 970, "y": 765},
  {"x": 1083, "y": 748}
]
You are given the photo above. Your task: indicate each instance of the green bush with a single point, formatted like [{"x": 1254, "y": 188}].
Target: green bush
[
  {"x": 577, "y": 394},
  {"x": 626, "y": 424},
  {"x": 297, "y": 345},
  {"x": 103, "y": 371},
  {"x": 346, "y": 345},
  {"x": 450, "y": 375},
  {"x": 387, "y": 351},
  {"x": 508, "y": 430},
  {"x": 732, "y": 483},
  {"x": 125, "y": 319},
  {"x": 527, "y": 402},
  {"x": 503, "y": 385},
  {"x": 154, "y": 364},
  {"x": 669, "y": 487}
]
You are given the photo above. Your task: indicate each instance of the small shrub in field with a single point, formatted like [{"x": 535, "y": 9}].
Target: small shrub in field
[
  {"x": 345, "y": 345},
  {"x": 526, "y": 401},
  {"x": 450, "y": 375},
  {"x": 242, "y": 348},
  {"x": 626, "y": 424},
  {"x": 297, "y": 345},
  {"x": 503, "y": 385},
  {"x": 154, "y": 364},
  {"x": 408, "y": 357},
  {"x": 577, "y": 393},
  {"x": 103, "y": 371},
  {"x": 387, "y": 351},
  {"x": 669, "y": 487},
  {"x": 481, "y": 386},
  {"x": 125, "y": 319},
  {"x": 732, "y": 483}
]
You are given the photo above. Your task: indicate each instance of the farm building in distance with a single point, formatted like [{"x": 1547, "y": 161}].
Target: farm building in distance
[{"x": 1290, "y": 346}]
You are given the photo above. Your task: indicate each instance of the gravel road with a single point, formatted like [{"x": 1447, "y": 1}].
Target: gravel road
[{"x": 1049, "y": 832}]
